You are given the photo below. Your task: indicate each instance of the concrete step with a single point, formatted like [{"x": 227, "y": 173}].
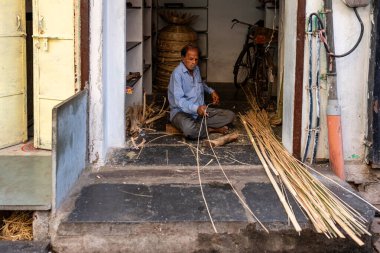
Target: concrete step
[
  {"x": 24, "y": 247},
  {"x": 130, "y": 209}
]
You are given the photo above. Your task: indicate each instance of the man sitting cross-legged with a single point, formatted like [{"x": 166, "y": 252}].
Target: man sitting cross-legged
[{"x": 186, "y": 98}]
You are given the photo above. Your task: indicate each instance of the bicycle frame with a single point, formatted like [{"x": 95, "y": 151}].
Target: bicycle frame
[{"x": 254, "y": 66}]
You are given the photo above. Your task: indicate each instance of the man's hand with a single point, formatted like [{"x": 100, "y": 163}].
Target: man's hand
[
  {"x": 202, "y": 110},
  {"x": 215, "y": 98}
]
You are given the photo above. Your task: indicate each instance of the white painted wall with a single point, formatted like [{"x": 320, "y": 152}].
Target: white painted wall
[
  {"x": 107, "y": 77},
  {"x": 97, "y": 151},
  {"x": 225, "y": 44},
  {"x": 114, "y": 62},
  {"x": 352, "y": 78},
  {"x": 289, "y": 21}
]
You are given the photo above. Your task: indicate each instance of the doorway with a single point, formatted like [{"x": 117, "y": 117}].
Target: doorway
[
  {"x": 41, "y": 70},
  {"x": 220, "y": 47}
]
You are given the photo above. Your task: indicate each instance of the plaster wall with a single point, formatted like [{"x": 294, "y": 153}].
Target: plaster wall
[
  {"x": 225, "y": 44},
  {"x": 97, "y": 149},
  {"x": 114, "y": 61},
  {"x": 352, "y": 79},
  {"x": 107, "y": 78},
  {"x": 352, "y": 76},
  {"x": 289, "y": 21}
]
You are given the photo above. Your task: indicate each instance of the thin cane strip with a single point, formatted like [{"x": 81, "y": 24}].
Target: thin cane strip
[
  {"x": 342, "y": 206},
  {"x": 315, "y": 214},
  {"x": 281, "y": 197},
  {"x": 314, "y": 219},
  {"x": 200, "y": 181},
  {"x": 154, "y": 139},
  {"x": 276, "y": 170},
  {"x": 348, "y": 231},
  {"x": 324, "y": 210},
  {"x": 233, "y": 188},
  {"x": 285, "y": 179},
  {"x": 332, "y": 209},
  {"x": 262, "y": 149},
  {"x": 348, "y": 213},
  {"x": 319, "y": 214},
  {"x": 319, "y": 220},
  {"x": 349, "y": 208},
  {"x": 325, "y": 191},
  {"x": 342, "y": 187},
  {"x": 286, "y": 196}
]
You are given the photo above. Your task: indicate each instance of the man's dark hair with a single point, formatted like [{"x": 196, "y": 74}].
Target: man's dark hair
[{"x": 189, "y": 47}]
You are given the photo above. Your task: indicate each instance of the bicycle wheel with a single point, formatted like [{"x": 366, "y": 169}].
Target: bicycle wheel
[
  {"x": 263, "y": 79},
  {"x": 243, "y": 66}
]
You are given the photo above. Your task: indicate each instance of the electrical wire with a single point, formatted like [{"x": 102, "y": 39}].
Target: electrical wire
[
  {"x": 324, "y": 40},
  {"x": 359, "y": 39}
]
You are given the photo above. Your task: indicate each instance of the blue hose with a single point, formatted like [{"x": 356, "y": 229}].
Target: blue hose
[
  {"x": 317, "y": 99},
  {"x": 310, "y": 88}
]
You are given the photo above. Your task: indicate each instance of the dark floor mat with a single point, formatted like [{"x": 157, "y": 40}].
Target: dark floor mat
[
  {"x": 161, "y": 148},
  {"x": 166, "y": 202},
  {"x": 183, "y": 156}
]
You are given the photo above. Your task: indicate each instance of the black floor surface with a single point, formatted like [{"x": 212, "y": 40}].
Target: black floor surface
[
  {"x": 161, "y": 148},
  {"x": 183, "y": 202}
]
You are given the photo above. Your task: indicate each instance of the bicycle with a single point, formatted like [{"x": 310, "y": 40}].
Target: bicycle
[{"x": 254, "y": 66}]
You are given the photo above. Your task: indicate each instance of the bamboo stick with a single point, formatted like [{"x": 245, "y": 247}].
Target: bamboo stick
[{"x": 222, "y": 140}]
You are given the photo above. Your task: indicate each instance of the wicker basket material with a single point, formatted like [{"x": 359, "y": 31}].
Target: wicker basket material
[
  {"x": 167, "y": 67},
  {"x": 169, "y": 54},
  {"x": 161, "y": 86},
  {"x": 163, "y": 74},
  {"x": 168, "y": 45},
  {"x": 177, "y": 33},
  {"x": 178, "y": 18},
  {"x": 168, "y": 60},
  {"x": 163, "y": 79}
]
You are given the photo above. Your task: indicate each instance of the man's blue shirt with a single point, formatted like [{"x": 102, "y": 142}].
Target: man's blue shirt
[{"x": 186, "y": 91}]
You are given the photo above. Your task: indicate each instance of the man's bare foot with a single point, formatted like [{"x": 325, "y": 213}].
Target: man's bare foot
[{"x": 221, "y": 130}]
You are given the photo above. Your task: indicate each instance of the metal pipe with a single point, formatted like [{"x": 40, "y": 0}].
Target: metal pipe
[{"x": 334, "y": 126}]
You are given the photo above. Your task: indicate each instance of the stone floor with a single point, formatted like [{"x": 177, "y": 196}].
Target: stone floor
[
  {"x": 25, "y": 182},
  {"x": 24, "y": 247},
  {"x": 161, "y": 208},
  {"x": 149, "y": 200},
  {"x": 25, "y": 177},
  {"x": 366, "y": 180}
]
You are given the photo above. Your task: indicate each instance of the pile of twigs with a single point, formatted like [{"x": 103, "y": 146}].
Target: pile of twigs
[
  {"x": 329, "y": 214},
  {"x": 17, "y": 227},
  {"x": 139, "y": 116}
]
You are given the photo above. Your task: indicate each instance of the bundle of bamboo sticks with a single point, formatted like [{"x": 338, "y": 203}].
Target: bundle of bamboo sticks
[
  {"x": 143, "y": 115},
  {"x": 327, "y": 212}
]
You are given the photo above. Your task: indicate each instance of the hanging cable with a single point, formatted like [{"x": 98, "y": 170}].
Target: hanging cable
[{"x": 324, "y": 40}]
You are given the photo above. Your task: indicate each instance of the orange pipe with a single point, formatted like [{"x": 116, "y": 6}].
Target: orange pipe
[{"x": 335, "y": 145}]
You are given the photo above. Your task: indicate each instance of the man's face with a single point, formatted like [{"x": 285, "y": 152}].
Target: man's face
[{"x": 191, "y": 59}]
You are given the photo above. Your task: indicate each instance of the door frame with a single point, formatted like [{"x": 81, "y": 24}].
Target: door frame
[{"x": 372, "y": 138}]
